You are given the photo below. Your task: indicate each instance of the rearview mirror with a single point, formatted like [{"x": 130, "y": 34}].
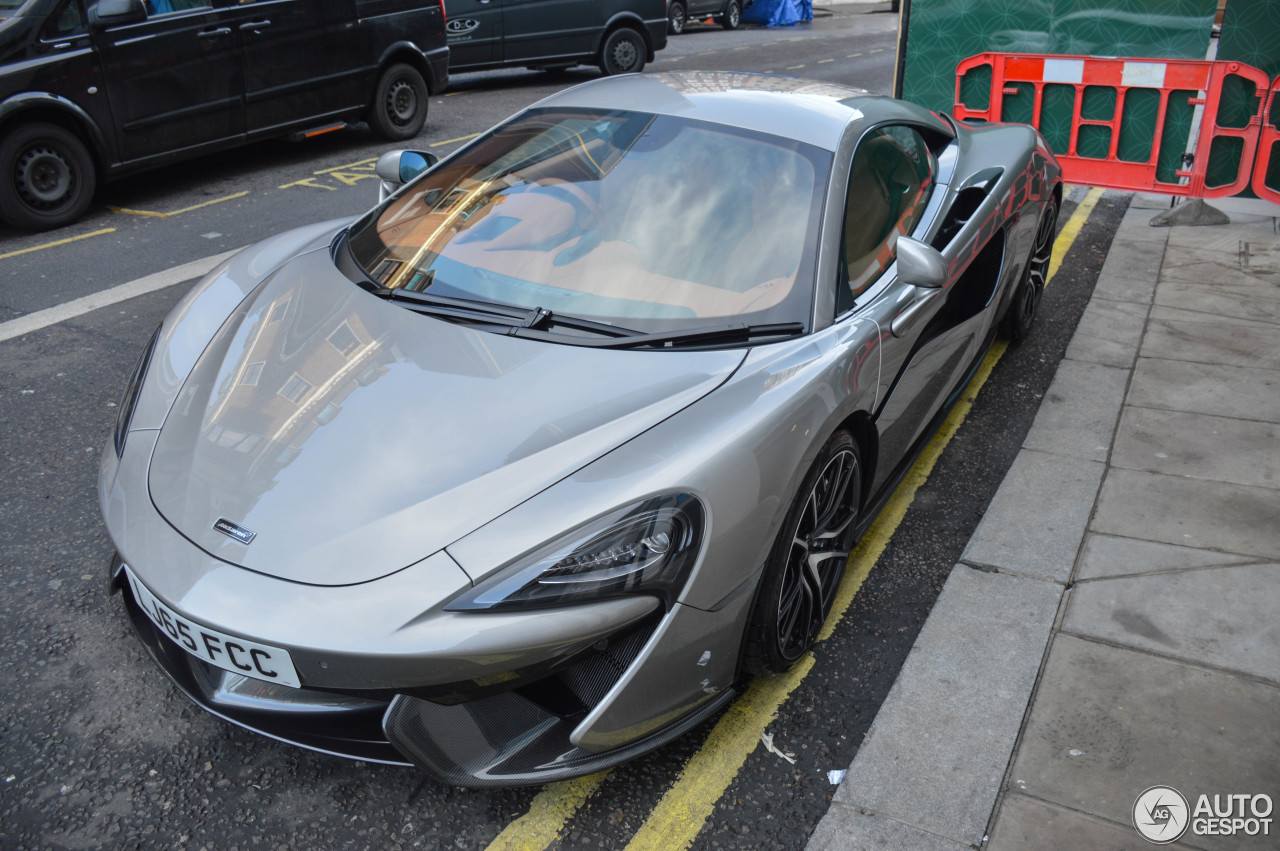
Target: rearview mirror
[
  {"x": 396, "y": 168},
  {"x": 920, "y": 264},
  {"x": 110, "y": 12}
]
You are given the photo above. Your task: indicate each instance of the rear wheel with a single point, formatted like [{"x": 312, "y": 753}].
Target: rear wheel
[
  {"x": 400, "y": 103},
  {"x": 807, "y": 561},
  {"x": 623, "y": 52},
  {"x": 1026, "y": 301},
  {"x": 47, "y": 177},
  {"x": 732, "y": 15},
  {"x": 676, "y": 18}
]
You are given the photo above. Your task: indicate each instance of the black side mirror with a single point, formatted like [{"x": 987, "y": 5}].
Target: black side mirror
[
  {"x": 112, "y": 12},
  {"x": 396, "y": 168}
]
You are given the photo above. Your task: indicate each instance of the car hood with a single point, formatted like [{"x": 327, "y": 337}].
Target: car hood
[{"x": 353, "y": 437}]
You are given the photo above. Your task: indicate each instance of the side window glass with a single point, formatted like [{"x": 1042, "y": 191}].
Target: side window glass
[
  {"x": 890, "y": 181},
  {"x": 68, "y": 21},
  {"x": 165, "y": 7}
]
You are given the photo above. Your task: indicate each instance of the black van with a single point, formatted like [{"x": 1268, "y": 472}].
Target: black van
[
  {"x": 618, "y": 35},
  {"x": 100, "y": 88}
]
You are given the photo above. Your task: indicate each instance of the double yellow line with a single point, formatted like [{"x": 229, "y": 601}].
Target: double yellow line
[{"x": 681, "y": 813}]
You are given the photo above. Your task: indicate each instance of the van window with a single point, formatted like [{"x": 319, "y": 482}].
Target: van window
[{"x": 69, "y": 21}]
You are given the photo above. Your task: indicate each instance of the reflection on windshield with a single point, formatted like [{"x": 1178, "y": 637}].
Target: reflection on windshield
[{"x": 649, "y": 221}]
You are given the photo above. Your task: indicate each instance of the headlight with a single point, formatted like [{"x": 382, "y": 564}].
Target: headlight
[
  {"x": 131, "y": 390},
  {"x": 647, "y": 548}
]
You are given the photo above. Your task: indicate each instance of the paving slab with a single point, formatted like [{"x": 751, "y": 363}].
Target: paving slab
[
  {"x": 1224, "y": 617},
  {"x": 1260, "y": 303},
  {"x": 1037, "y": 519},
  {"x": 1106, "y": 556},
  {"x": 1165, "y": 313},
  {"x": 1131, "y": 265},
  {"x": 1224, "y": 240},
  {"x": 1136, "y": 227},
  {"x": 1200, "y": 446},
  {"x": 1189, "y": 512},
  {"x": 843, "y": 828},
  {"x": 1078, "y": 414},
  {"x": 1231, "y": 391},
  {"x": 1110, "y": 722},
  {"x": 938, "y": 749},
  {"x": 1109, "y": 333},
  {"x": 1213, "y": 341},
  {"x": 1026, "y": 822},
  {"x": 1138, "y": 290}
]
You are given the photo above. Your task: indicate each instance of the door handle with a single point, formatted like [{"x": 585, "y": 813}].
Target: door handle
[
  {"x": 255, "y": 25},
  {"x": 218, "y": 33},
  {"x": 906, "y": 320}
]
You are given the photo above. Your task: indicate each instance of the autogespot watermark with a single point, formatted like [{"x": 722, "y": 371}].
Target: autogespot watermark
[{"x": 1162, "y": 814}]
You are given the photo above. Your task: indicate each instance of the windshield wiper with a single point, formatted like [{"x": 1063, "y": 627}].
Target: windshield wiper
[
  {"x": 708, "y": 336},
  {"x": 515, "y": 319}
]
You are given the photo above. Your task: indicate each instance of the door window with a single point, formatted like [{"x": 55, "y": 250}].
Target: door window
[
  {"x": 890, "y": 181},
  {"x": 69, "y": 20}
]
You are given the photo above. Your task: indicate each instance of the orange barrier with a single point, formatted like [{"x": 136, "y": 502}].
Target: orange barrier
[
  {"x": 1123, "y": 76},
  {"x": 1268, "y": 144}
]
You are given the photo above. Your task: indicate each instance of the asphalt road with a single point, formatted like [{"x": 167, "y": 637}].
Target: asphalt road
[{"x": 98, "y": 750}]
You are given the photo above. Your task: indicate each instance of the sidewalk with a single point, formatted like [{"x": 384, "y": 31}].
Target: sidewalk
[{"x": 1114, "y": 623}]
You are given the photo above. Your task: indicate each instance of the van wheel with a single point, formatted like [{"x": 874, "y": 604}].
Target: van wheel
[
  {"x": 623, "y": 52},
  {"x": 48, "y": 177},
  {"x": 732, "y": 15},
  {"x": 675, "y": 18},
  {"x": 399, "y": 104}
]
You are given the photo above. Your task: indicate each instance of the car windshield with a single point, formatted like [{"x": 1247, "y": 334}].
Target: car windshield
[{"x": 645, "y": 221}]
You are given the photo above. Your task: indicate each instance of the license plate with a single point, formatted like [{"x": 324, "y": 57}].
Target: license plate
[{"x": 229, "y": 652}]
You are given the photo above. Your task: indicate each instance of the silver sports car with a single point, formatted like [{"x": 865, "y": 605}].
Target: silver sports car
[{"x": 521, "y": 473}]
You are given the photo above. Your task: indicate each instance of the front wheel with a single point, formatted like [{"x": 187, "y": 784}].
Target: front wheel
[
  {"x": 807, "y": 561},
  {"x": 400, "y": 103},
  {"x": 676, "y": 18},
  {"x": 732, "y": 15},
  {"x": 1026, "y": 300},
  {"x": 623, "y": 52},
  {"x": 47, "y": 177}
]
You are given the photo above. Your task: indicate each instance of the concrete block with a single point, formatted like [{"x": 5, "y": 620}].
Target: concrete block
[
  {"x": 1189, "y": 512},
  {"x": 1037, "y": 519},
  {"x": 1109, "y": 722},
  {"x": 1078, "y": 415},
  {"x": 1225, "y": 617},
  {"x": 1106, "y": 556},
  {"x": 937, "y": 751},
  {"x": 1230, "y": 391},
  {"x": 1201, "y": 446},
  {"x": 1109, "y": 333},
  {"x": 843, "y": 828}
]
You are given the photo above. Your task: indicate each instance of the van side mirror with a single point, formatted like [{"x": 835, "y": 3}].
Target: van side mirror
[
  {"x": 920, "y": 264},
  {"x": 396, "y": 168},
  {"x": 112, "y": 12}
]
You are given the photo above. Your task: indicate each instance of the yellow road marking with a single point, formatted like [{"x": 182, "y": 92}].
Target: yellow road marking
[
  {"x": 877, "y": 50},
  {"x": 355, "y": 165},
  {"x": 851, "y": 55},
  {"x": 451, "y": 141},
  {"x": 679, "y": 816},
  {"x": 56, "y": 243},
  {"x": 794, "y": 67},
  {"x": 825, "y": 61},
  {"x": 550, "y": 810},
  {"x": 130, "y": 212}
]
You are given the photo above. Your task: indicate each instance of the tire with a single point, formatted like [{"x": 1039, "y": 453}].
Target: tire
[
  {"x": 676, "y": 18},
  {"x": 807, "y": 562},
  {"x": 1026, "y": 301},
  {"x": 48, "y": 177},
  {"x": 732, "y": 15},
  {"x": 623, "y": 52},
  {"x": 399, "y": 107}
]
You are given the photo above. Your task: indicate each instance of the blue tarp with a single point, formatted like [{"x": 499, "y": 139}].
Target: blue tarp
[{"x": 778, "y": 13}]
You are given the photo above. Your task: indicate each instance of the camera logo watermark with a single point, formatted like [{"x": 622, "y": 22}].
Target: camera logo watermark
[{"x": 1161, "y": 814}]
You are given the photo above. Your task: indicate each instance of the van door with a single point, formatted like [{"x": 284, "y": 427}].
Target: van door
[
  {"x": 174, "y": 80},
  {"x": 301, "y": 61},
  {"x": 546, "y": 29},
  {"x": 473, "y": 30}
]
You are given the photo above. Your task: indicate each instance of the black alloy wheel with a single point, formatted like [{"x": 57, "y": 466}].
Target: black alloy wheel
[
  {"x": 676, "y": 18},
  {"x": 623, "y": 52},
  {"x": 400, "y": 103},
  {"x": 1026, "y": 301},
  {"x": 48, "y": 177},
  {"x": 807, "y": 562},
  {"x": 732, "y": 15}
]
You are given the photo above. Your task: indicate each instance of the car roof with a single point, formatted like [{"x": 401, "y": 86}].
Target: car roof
[{"x": 810, "y": 111}]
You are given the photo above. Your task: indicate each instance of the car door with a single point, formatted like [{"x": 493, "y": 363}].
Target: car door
[
  {"x": 474, "y": 30},
  {"x": 173, "y": 80},
  {"x": 284, "y": 83},
  {"x": 540, "y": 29},
  {"x": 924, "y": 350}
]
